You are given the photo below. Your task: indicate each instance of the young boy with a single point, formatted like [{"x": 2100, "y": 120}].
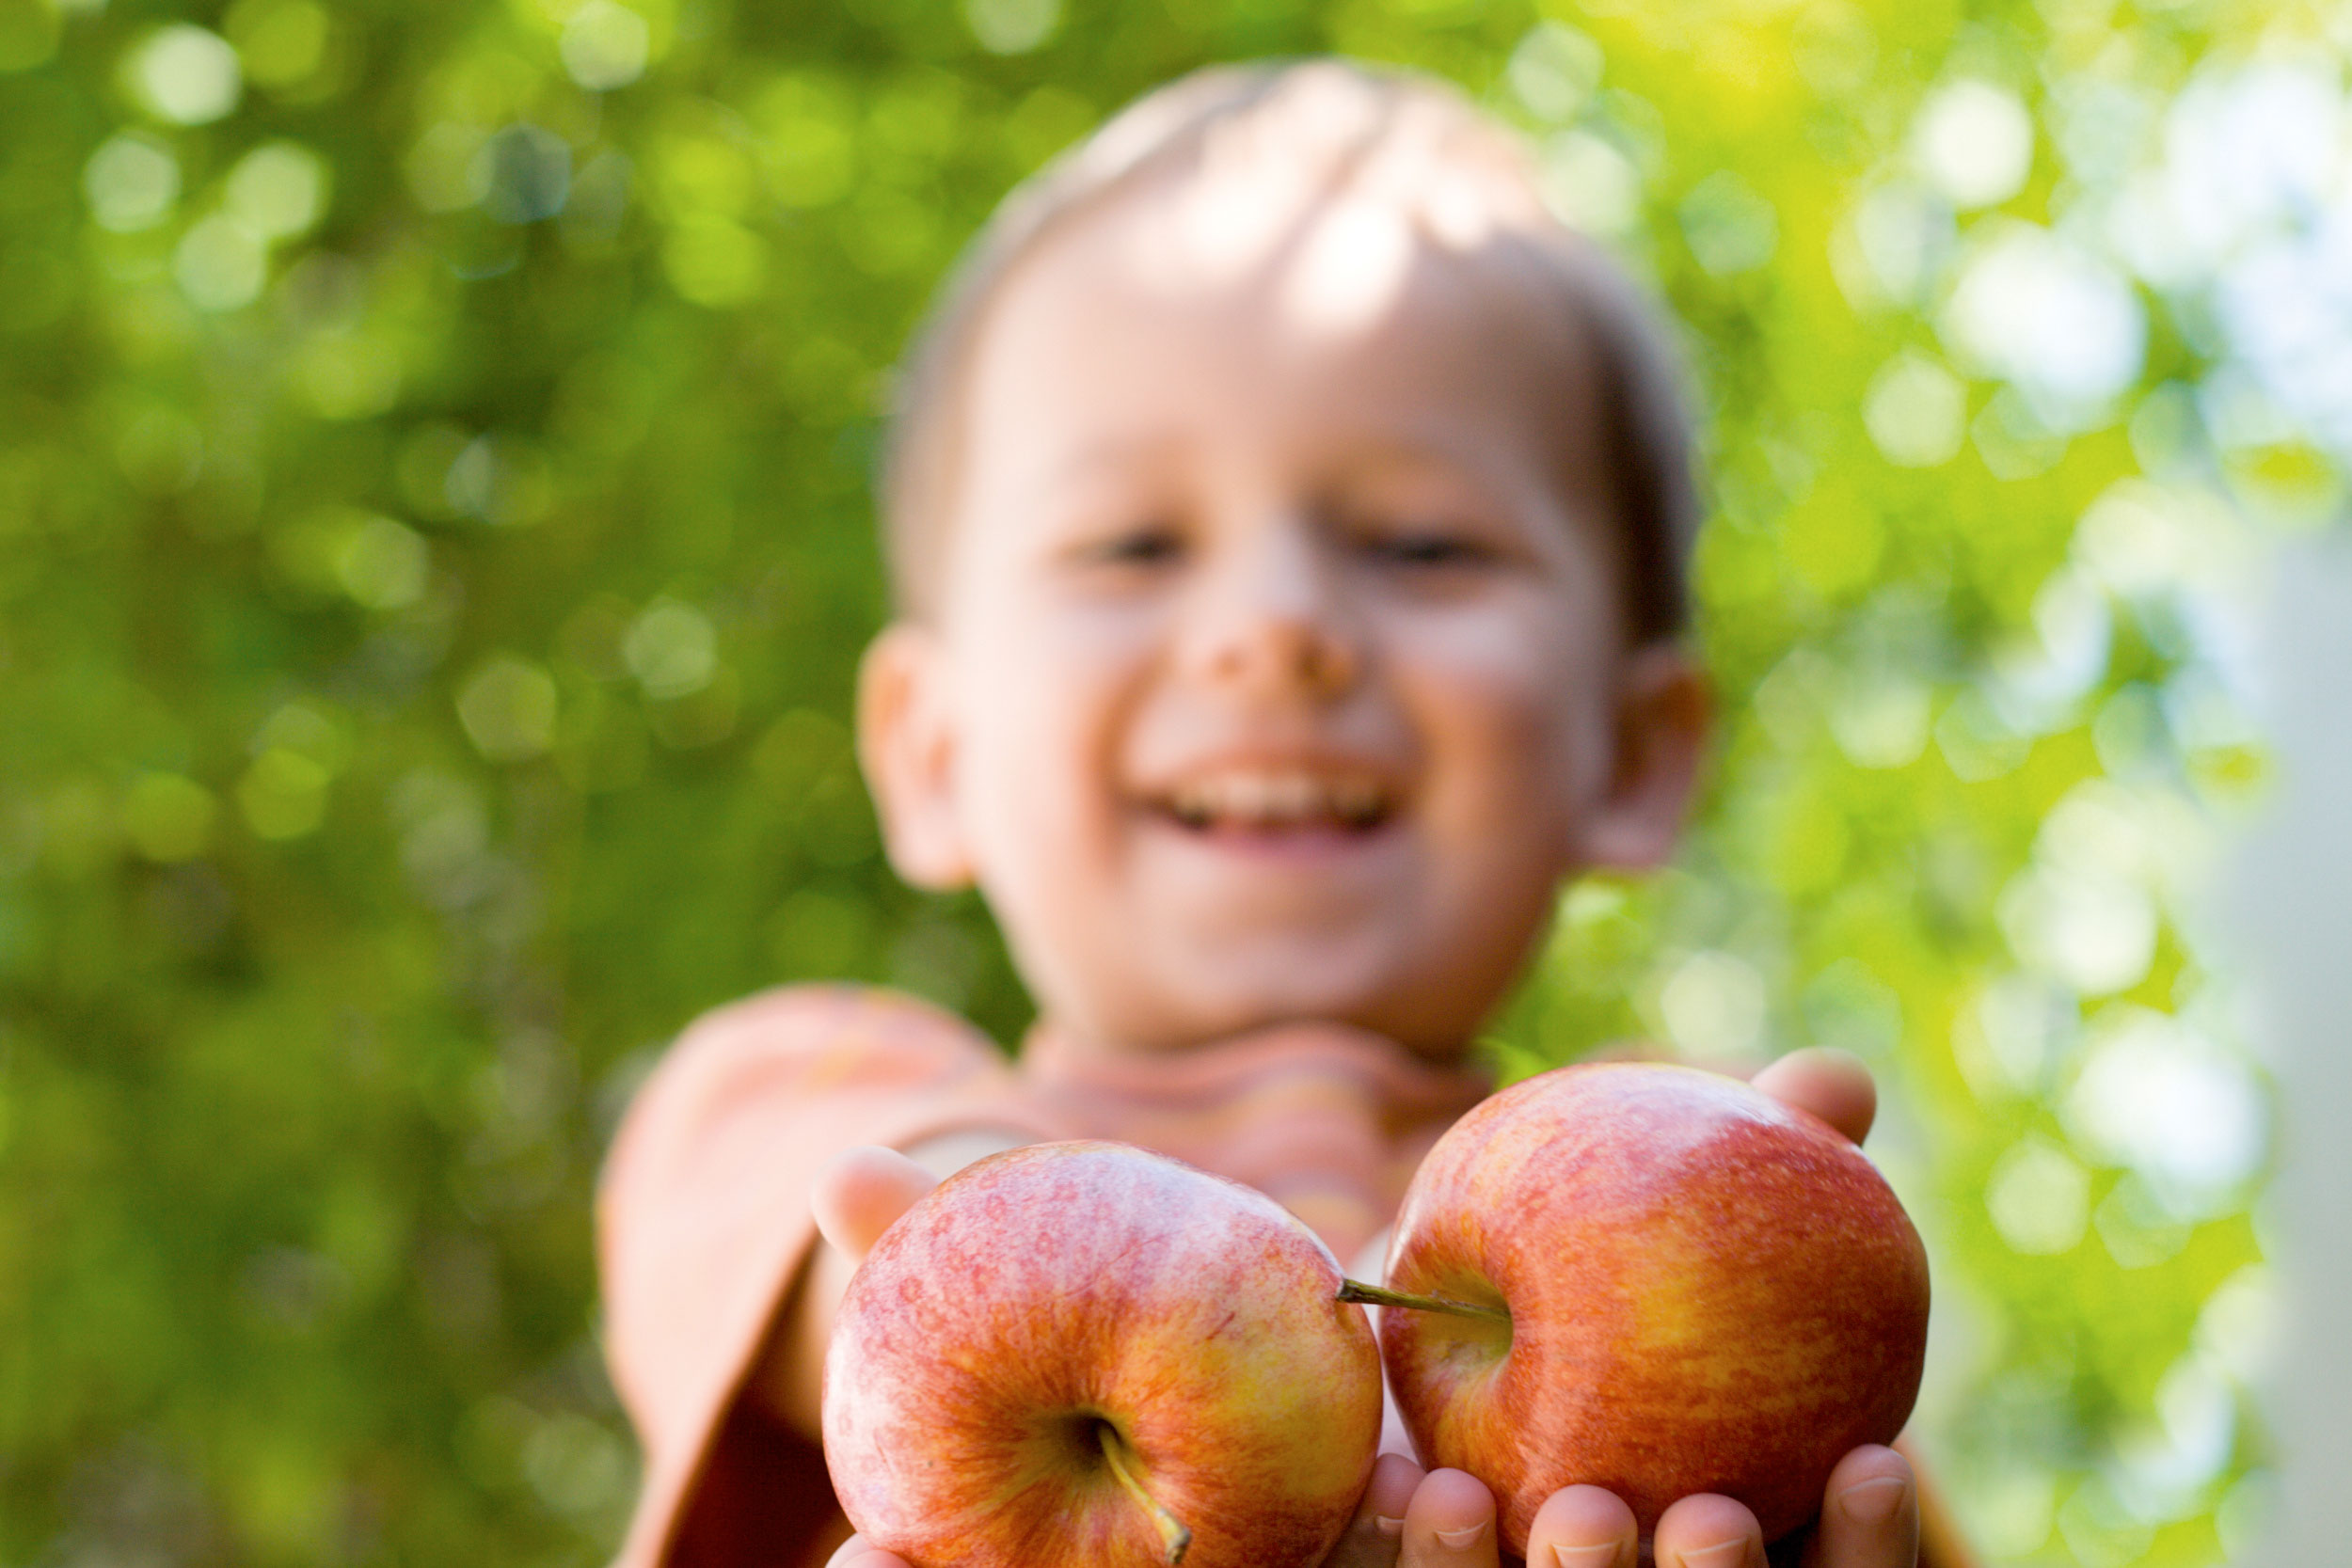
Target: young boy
[{"x": 1289, "y": 524}]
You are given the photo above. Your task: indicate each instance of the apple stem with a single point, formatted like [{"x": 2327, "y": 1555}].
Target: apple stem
[
  {"x": 1374, "y": 1295},
  {"x": 1174, "y": 1537}
]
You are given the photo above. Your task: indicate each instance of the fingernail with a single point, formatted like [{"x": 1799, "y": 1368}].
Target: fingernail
[
  {"x": 1723, "y": 1553},
  {"x": 1386, "y": 1526},
  {"x": 1873, "y": 1501},
  {"x": 1463, "y": 1539},
  {"x": 1602, "y": 1555}
]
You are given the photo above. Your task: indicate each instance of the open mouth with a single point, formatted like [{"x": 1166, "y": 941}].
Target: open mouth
[{"x": 1271, "y": 802}]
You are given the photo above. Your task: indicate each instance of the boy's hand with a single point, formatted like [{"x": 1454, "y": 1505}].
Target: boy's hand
[
  {"x": 1446, "y": 1519},
  {"x": 1869, "y": 1519}
]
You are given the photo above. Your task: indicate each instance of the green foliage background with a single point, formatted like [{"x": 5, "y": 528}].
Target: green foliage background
[{"x": 433, "y": 549}]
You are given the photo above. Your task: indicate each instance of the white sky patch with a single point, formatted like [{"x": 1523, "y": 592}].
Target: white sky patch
[
  {"x": 2158, "y": 1097},
  {"x": 2040, "y": 680},
  {"x": 2250, "y": 147},
  {"x": 2055, "y": 320}
]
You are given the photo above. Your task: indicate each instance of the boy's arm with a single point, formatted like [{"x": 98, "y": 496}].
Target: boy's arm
[{"x": 704, "y": 1222}]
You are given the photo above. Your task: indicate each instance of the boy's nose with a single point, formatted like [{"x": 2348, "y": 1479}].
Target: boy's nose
[
  {"x": 1272, "y": 622},
  {"x": 1286, "y": 655}
]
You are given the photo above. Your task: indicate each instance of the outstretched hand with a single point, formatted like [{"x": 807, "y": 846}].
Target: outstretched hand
[
  {"x": 1446, "y": 1519},
  {"x": 1442, "y": 1518}
]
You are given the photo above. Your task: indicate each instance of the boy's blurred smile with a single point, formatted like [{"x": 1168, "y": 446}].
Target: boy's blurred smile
[{"x": 1281, "y": 668}]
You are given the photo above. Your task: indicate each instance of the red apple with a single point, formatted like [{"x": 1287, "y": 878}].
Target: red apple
[
  {"x": 1083, "y": 1352},
  {"x": 1701, "y": 1289}
]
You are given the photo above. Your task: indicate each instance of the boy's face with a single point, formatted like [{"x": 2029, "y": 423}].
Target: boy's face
[{"x": 1280, "y": 670}]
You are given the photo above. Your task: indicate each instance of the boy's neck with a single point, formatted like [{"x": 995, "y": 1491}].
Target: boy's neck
[
  {"x": 1052, "y": 1051},
  {"x": 1327, "y": 1120}
]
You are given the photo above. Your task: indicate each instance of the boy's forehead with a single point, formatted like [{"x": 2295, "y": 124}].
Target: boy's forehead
[
  {"x": 1330, "y": 228},
  {"x": 1286, "y": 282}
]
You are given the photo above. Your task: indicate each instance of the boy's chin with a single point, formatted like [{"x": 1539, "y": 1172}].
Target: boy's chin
[{"x": 1262, "y": 978}]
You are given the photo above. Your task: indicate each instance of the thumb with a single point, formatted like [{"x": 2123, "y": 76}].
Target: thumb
[
  {"x": 1832, "y": 1085},
  {"x": 858, "y": 1552},
  {"x": 862, "y": 1193}
]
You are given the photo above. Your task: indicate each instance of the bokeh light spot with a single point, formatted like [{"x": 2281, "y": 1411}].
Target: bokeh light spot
[
  {"x": 1730, "y": 226},
  {"x": 445, "y": 170},
  {"x": 1590, "y": 184},
  {"x": 524, "y": 173},
  {"x": 169, "y": 817},
  {"x": 220, "y": 264},
  {"x": 281, "y": 42},
  {"x": 2059, "y": 324},
  {"x": 507, "y": 706},
  {"x": 283, "y": 794},
  {"x": 1714, "y": 1005},
  {"x": 186, "y": 74},
  {"x": 131, "y": 182},
  {"x": 28, "y": 33},
  {"x": 605, "y": 45},
  {"x": 672, "y": 649},
  {"x": 1555, "y": 71},
  {"x": 1916, "y": 412},
  {"x": 1013, "y": 26},
  {"x": 2039, "y": 1198},
  {"x": 382, "y": 564},
  {"x": 1974, "y": 142},
  {"x": 278, "y": 189}
]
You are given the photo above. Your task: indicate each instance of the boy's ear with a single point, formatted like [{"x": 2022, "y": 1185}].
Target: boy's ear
[
  {"x": 906, "y": 746},
  {"x": 1664, "y": 712}
]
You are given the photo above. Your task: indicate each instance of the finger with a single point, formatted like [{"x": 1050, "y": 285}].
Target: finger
[
  {"x": 857, "y": 1552},
  {"x": 1832, "y": 1085},
  {"x": 1449, "y": 1523},
  {"x": 858, "y": 1196},
  {"x": 1584, "y": 1526},
  {"x": 1708, "y": 1531},
  {"x": 1869, "y": 1513},
  {"x": 1376, "y": 1534}
]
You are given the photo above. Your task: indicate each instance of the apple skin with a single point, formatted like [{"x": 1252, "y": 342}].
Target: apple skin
[
  {"x": 1708, "y": 1291},
  {"x": 1040, "y": 1290}
]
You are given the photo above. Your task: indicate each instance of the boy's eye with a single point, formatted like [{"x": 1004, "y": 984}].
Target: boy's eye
[
  {"x": 1428, "y": 547},
  {"x": 1146, "y": 545}
]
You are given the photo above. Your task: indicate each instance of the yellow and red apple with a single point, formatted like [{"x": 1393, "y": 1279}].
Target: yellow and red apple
[
  {"x": 1690, "y": 1287},
  {"x": 1088, "y": 1353}
]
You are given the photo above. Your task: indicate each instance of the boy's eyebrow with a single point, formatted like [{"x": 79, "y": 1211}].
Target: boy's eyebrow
[
  {"x": 1404, "y": 451},
  {"x": 1107, "y": 455}
]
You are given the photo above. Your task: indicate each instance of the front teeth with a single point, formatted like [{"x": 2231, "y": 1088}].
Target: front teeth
[{"x": 1279, "y": 800}]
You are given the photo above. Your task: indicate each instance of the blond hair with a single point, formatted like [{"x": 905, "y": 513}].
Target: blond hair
[{"x": 1287, "y": 111}]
